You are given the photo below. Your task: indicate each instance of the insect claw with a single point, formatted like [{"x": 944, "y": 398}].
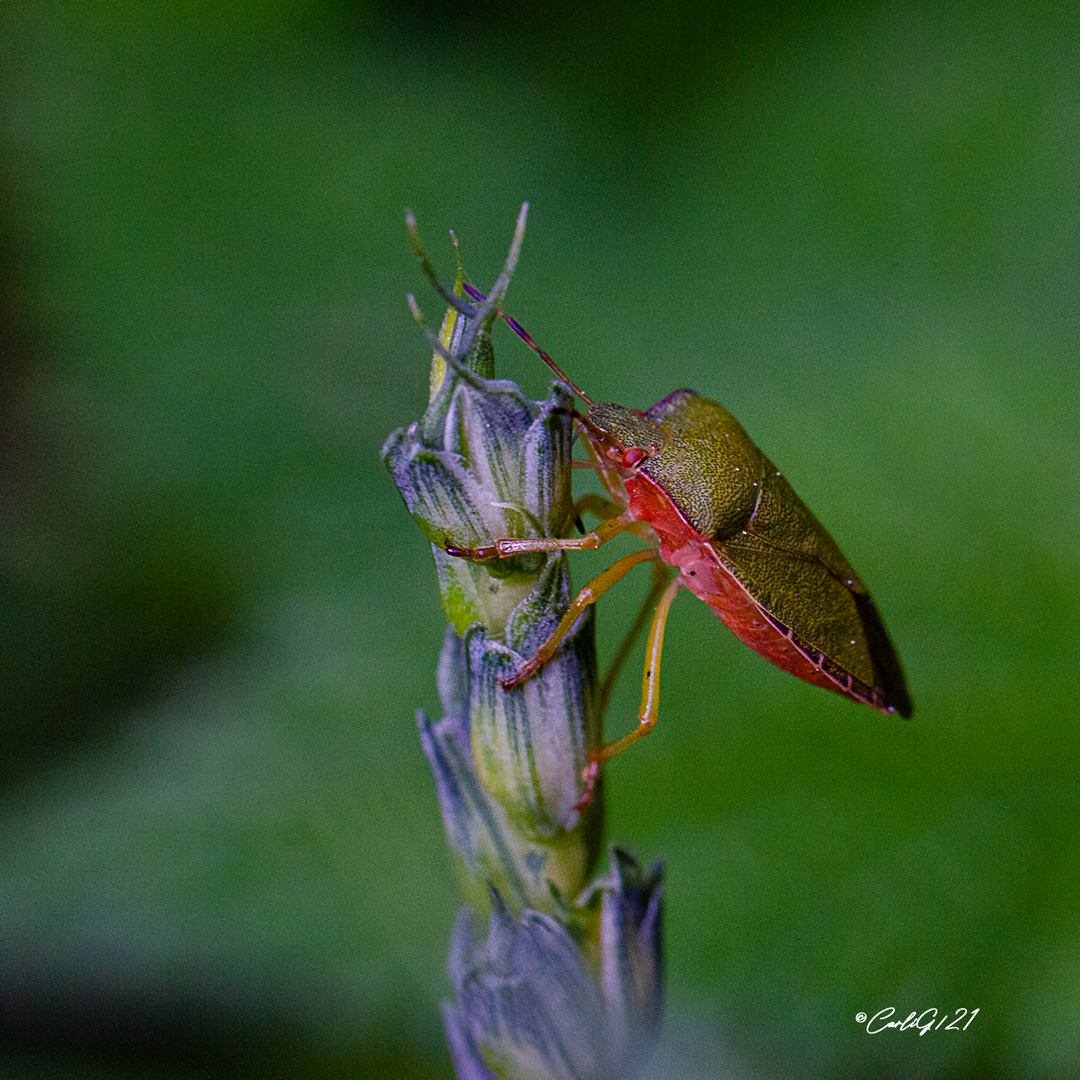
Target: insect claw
[
  {"x": 481, "y": 554},
  {"x": 512, "y": 682},
  {"x": 590, "y": 774}
]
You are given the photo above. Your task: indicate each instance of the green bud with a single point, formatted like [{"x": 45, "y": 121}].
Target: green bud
[
  {"x": 484, "y": 463},
  {"x": 531, "y": 744},
  {"x": 511, "y": 819},
  {"x": 495, "y": 465}
]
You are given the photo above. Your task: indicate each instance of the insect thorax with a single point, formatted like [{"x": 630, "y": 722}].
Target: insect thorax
[{"x": 622, "y": 428}]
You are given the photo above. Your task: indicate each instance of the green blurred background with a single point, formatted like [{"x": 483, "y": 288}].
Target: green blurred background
[{"x": 857, "y": 226}]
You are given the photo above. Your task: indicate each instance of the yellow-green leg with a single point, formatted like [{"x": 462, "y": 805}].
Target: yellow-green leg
[
  {"x": 588, "y": 595},
  {"x": 508, "y": 546},
  {"x": 597, "y": 505},
  {"x": 589, "y": 542},
  {"x": 661, "y": 577},
  {"x": 650, "y": 695}
]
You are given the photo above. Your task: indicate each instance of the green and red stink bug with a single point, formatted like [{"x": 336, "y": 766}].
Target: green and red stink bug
[{"x": 686, "y": 477}]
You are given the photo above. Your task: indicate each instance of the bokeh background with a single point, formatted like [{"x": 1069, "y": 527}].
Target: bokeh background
[{"x": 858, "y": 226}]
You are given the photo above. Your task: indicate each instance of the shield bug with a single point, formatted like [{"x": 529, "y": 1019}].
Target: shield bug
[{"x": 685, "y": 477}]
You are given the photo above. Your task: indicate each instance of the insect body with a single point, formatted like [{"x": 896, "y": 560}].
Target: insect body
[
  {"x": 747, "y": 545},
  {"x": 686, "y": 477}
]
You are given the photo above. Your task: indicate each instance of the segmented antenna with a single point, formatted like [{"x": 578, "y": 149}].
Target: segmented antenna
[{"x": 525, "y": 336}]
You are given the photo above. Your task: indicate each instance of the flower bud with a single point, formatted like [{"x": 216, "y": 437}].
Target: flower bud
[
  {"x": 631, "y": 951},
  {"x": 528, "y": 1003},
  {"x": 485, "y": 463},
  {"x": 507, "y": 775}
]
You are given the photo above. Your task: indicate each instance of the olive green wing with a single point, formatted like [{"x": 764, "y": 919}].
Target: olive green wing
[{"x": 793, "y": 568}]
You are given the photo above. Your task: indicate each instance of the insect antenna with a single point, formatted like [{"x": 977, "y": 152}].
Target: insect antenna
[
  {"x": 479, "y": 317},
  {"x": 525, "y": 336}
]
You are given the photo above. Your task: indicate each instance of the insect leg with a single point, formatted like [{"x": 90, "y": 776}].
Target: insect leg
[
  {"x": 650, "y": 694},
  {"x": 589, "y": 542},
  {"x": 609, "y": 476},
  {"x": 661, "y": 577},
  {"x": 508, "y": 546},
  {"x": 525, "y": 336},
  {"x": 588, "y": 595},
  {"x": 596, "y": 505},
  {"x": 605, "y": 509}
]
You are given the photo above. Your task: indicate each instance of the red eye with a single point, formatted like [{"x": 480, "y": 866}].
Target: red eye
[{"x": 632, "y": 457}]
